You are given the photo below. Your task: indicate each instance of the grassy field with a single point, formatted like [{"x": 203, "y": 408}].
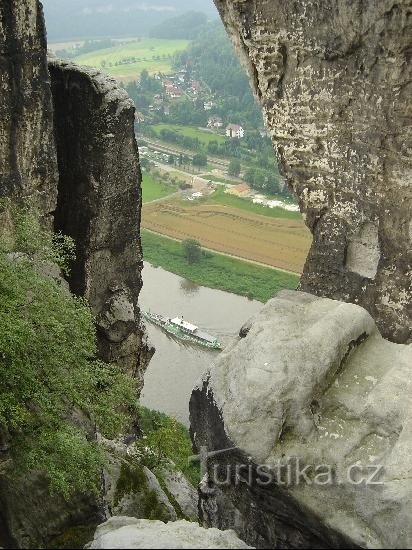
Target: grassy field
[
  {"x": 152, "y": 54},
  {"x": 279, "y": 242},
  {"x": 153, "y": 190},
  {"x": 220, "y": 197},
  {"x": 217, "y": 271},
  {"x": 190, "y": 131}
]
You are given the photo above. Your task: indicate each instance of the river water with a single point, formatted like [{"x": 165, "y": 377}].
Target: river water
[{"x": 176, "y": 367}]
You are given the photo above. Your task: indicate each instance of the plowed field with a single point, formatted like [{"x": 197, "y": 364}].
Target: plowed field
[{"x": 278, "y": 242}]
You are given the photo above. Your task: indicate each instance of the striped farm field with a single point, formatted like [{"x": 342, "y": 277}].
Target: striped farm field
[{"x": 278, "y": 242}]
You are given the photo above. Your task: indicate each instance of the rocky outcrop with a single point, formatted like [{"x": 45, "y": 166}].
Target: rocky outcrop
[
  {"x": 28, "y": 166},
  {"x": 99, "y": 204},
  {"x": 182, "y": 491},
  {"x": 131, "y": 489},
  {"x": 334, "y": 81},
  {"x": 125, "y": 532},
  {"x": 312, "y": 409},
  {"x": 33, "y": 518}
]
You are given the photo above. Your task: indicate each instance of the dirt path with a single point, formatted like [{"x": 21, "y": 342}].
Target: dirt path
[{"x": 177, "y": 194}]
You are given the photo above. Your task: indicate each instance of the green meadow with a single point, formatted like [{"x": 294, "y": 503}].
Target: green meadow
[
  {"x": 190, "y": 131},
  {"x": 220, "y": 197},
  {"x": 215, "y": 270},
  {"x": 153, "y": 189},
  {"x": 126, "y": 61}
]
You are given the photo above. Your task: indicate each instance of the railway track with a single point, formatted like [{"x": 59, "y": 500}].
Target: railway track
[{"x": 160, "y": 146}]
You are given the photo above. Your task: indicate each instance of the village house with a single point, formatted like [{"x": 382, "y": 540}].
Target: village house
[
  {"x": 214, "y": 122},
  {"x": 181, "y": 75},
  {"x": 175, "y": 92},
  {"x": 240, "y": 190},
  {"x": 208, "y": 105},
  {"x": 139, "y": 117},
  {"x": 235, "y": 131}
]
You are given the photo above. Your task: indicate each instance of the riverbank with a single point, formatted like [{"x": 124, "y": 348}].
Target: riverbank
[{"x": 217, "y": 271}]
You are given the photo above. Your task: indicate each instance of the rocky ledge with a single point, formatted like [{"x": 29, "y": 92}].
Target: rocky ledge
[
  {"x": 313, "y": 408},
  {"x": 125, "y": 532}
]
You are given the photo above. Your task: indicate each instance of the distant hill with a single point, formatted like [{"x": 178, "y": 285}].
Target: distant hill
[
  {"x": 186, "y": 26},
  {"x": 90, "y": 19}
]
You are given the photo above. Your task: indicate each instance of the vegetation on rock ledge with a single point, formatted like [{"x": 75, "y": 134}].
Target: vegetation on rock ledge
[
  {"x": 166, "y": 440},
  {"x": 53, "y": 390}
]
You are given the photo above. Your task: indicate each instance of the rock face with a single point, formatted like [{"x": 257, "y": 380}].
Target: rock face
[
  {"x": 334, "y": 81},
  {"x": 183, "y": 493},
  {"x": 313, "y": 387},
  {"x": 28, "y": 166},
  {"x": 125, "y": 532},
  {"x": 99, "y": 204},
  {"x": 32, "y": 518}
]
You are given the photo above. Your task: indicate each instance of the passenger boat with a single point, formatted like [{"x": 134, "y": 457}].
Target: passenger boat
[{"x": 183, "y": 330}]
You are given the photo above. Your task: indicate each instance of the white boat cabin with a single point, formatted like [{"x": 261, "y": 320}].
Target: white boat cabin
[{"x": 184, "y": 325}]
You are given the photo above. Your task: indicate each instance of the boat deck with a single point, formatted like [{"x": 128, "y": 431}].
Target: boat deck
[{"x": 205, "y": 336}]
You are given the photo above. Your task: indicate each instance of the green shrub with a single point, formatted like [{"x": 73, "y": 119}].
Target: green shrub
[
  {"x": 31, "y": 239},
  {"x": 164, "y": 440}
]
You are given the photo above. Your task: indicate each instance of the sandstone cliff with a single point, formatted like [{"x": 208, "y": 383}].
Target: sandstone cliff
[
  {"x": 68, "y": 151},
  {"x": 28, "y": 166},
  {"x": 99, "y": 204},
  {"x": 334, "y": 81},
  {"x": 311, "y": 382}
]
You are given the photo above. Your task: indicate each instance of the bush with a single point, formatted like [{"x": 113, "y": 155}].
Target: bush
[
  {"x": 199, "y": 160},
  {"x": 192, "y": 251},
  {"x": 164, "y": 440},
  {"x": 234, "y": 168}
]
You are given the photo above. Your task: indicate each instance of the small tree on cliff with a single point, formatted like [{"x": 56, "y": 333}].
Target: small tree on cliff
[{"x": 192, "y": 251}]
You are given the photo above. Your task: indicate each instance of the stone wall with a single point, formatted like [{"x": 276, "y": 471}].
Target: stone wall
[
  {"x": 334, "y": 81},
  {"x": 99, "y": 204},
  {"x": 28, "y": 167}
]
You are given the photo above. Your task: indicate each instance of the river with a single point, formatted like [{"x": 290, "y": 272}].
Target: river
[{"x": 176, "y": 367}]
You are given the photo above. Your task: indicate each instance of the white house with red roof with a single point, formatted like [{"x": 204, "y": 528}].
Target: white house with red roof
[{"x": 235, "y": 131}]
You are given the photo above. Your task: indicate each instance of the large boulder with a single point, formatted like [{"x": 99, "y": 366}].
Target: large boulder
[
  {"x": 125, "y": 532},
  {"x": 334, "y": 81},
  {"x": 311, "y": 383}
]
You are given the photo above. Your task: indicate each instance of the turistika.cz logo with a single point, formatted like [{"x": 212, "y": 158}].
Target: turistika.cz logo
[{"x": 287, "y": 472}]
